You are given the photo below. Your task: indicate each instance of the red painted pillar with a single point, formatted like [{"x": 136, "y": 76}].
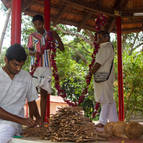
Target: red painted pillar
[
  {"x": 27, "y": 109},
  {"x": 120, "y": 73},
  {"x": 47, "y": 14},
  {"x": 47, "y": 27},
  {"x": 16, "y": 22}
]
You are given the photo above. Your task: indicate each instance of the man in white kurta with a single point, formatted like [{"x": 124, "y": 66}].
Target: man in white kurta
[
  {"x": 104, "y": 90},
  {"x": 14, "y": 91}
]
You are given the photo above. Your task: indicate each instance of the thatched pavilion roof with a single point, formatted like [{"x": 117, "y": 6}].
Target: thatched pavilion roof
[{"x": 82, "y": 13}]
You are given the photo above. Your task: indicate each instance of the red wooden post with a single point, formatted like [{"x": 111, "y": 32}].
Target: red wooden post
[
  {"x": 47, "y": 14},
  {"x": 27, "y": 109},
  {"x": 47, "y": 27},
  {"x": 120, "y": 73},
  {"x": 16, "y": 22}
]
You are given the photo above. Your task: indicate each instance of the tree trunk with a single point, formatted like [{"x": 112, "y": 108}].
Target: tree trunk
[{"x": 4, "y": 28}]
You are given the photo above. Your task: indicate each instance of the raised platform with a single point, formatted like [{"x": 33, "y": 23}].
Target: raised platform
[{"x": 36, "y": 140}]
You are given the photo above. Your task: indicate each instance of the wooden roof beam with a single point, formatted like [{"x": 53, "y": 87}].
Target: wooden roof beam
[
  {"x": 97, "y": 4},
  {"x": 119, "y": 4},
  {"x": 39, "y": 2},
  {"x": 61, "y": 12},
  {"x": 112, "y": 25},
  {"x": 72, "y": 23},
  {"x": 79, "y": 5},
  {"x": 83, "y": 22},
  {"x": 31, "y": 12},
  {"x": 26, "y": 5},
  {"x": 133, "y": 21},
  {"x": 125, "y": 13},
  {"x": 132, "y": 30}
]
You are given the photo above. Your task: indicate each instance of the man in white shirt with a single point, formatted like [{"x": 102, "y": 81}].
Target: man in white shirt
[
  {"x": 15, "y": 88},
  {"x": 104, "y": 90}
]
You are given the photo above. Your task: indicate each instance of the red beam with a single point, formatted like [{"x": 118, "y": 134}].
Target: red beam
[
  {"x": 120, "y": 72},
  {"x": 16, "y": 22},
  {"x": 47, "y": 14},
  {"x": 47, "y": 27}
]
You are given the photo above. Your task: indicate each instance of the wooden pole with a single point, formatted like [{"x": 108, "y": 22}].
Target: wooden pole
[
  {"x": 16, "y": 22},
  {"x": 47, "y": 27},
  {"x": 120, "y": 73},
  {"x": 47, "y": 14}
]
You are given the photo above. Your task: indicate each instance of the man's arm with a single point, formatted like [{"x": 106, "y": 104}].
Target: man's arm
[
  {"x": 32, "y": 51},
  {"x": 30, "y": 45},
  {"x": 95, "y": 68},
  {"x": 34, "y": 110},
  {"x": 11, "y": 117},
  {"x": 60, "y": 43}
]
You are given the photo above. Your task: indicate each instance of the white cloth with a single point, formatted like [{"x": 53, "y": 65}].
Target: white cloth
[
  {"x": 108, "y": 113},
  {"x": 13, "y": 94},
  {"x": 104, "y": 90},
  {"x": 42, "y": 78},
  {"x": 6, "y": 132}
]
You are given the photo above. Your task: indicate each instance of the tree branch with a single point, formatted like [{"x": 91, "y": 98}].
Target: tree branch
[
  {"x": 77, "y": 53},
  {"x": 67, "y": 31}
]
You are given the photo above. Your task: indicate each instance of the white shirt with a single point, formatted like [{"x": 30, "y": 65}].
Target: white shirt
[
  {"x": 104, "y": 90},
  {"x": 13, "y": 93}
]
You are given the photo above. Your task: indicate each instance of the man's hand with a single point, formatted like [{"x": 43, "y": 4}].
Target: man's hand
[
  {"x": 38, "y": 122},
  {"x": 32, "y": 52},
  {"x": 34, "y": 112},
  {"x": 95, "y": 68},
  {"x": 28, "y": 122}
]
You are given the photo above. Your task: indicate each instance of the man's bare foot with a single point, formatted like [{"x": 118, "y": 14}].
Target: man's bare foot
[{"x": 99, "y": 125}]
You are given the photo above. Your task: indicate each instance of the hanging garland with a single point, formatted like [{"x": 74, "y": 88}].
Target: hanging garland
[{"x": 99, "y": 22}]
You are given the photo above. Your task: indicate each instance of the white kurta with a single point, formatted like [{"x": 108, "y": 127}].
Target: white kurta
[
  {"x": 13, "y": 94},
  {"x": 104, "y": 90}
]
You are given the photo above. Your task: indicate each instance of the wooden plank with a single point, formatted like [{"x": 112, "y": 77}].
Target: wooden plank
[
  {"x": 119, "y": 5},
  {"x": 61, "y": 12},
  {"x": 84, "y": 20},
  {"x": 89, "y": 8}
]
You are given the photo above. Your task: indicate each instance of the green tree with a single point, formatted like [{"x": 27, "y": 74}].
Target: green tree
[{"x": 73, "y": 64}]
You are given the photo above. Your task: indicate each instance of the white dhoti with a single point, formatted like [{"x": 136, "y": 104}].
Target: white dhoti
[
  {"x": 6, "y": 132},
  {"x": 108, "y": 113},
  {"x": 42, "y": 78}
]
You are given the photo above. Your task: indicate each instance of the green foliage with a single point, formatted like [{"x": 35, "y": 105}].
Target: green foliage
[
  {"x": 26, "y": 66},
  {"x": 133, "y": 83},
  {"x": 27, "y": 28},
  {"x": 73, "y": 66},
  {"x": 88, "y": 107},
  {"x": 72, "y": 72},
  {"x": 2, "y": 58}
]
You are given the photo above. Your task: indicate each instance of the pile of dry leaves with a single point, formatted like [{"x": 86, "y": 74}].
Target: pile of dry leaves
[{"x": 68, "y": 124}]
